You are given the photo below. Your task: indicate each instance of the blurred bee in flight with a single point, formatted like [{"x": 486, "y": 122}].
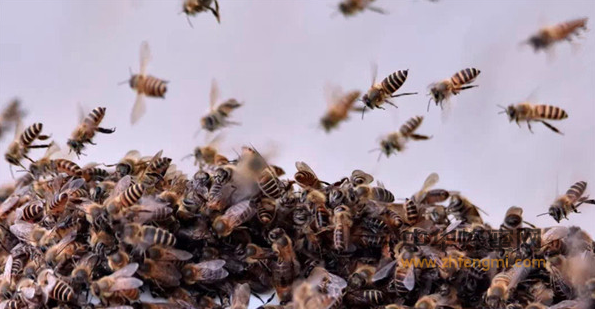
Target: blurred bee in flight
[
  {"x": 193, "y": 7},
  {"x": 84, "y": 132},
  {"x": 528, "y": 112},
  {"x": 547, "y": 36},
  {"x": 351, "y": 7},
  {"x": 10, "y": 115},
  {"x": 569, "y": 202},
  {"x": 442, "y": 90},
  {"x": 339, "y": 105},
  {"x": 379, "y": 93},
  {"x": 395, "y": 142},
  {"x": 22, "y": 143},
  {"x": 145, "y": 85},
  {"x": 208, "y": 155},
  {"x": 217, "y": 116}
]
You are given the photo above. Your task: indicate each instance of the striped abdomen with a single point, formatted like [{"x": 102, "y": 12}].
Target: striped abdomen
[
  {"x": 411, "y": 125},
  {"x": 32, "y": 212},
  {"x": 130, "y": 294},
  {"x": 306, "y": 178},
  {"x": 266, "y": 211},
  {"x": 562, "y": 30},
  {"x": 17, "y": 266},
  {"x": 394, "y": 81},
  {"x": 269, "y": 184},
  {"x": 160, "y": 165},
  {"x": 152, "y": 86},
  {"x": 322, "y": 216},
  {"x": 464, "y": 76},
  {"x": 132, "y": 195},
  {"x": 412, "y": 212},
  {"x": 58, "y": 203},
  {"x": 95, "y": 174},
  {"x": 395, "y": 219},
  {"x": 96, "y": 115},
  {"x": 158, "y": 236},
  {"x": 342, "y": 228},
  {"x": 400, "y": 275},
  {"x": 549, "y": 112},
  {"x": 68, "y": 167},
  {"x": 382, "y": 195},
  {"x": 576, "y": 190},
  {"x": 31, "y": 133},
  {"x": 62, "y": 292}
]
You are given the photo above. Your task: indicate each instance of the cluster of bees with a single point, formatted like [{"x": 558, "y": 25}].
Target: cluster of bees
[{"x": 102, "y": 235}]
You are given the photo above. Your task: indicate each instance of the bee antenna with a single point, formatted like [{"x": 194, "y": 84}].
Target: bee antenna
[
  {"x": 189, "y": 22},
  {"x": 11, "y": 173},
  {"x": 375, "y": 149},
  {"x": 363, "y": 110},
  {"x": 379, "y": 156},
  {"x": 429, "y": 101},
  {"x": 545, "y": 213},
  {"x": 187, "y": 156}
]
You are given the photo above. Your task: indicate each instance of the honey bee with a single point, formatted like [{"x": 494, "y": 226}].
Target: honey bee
[
  {"x": 499, "y": 291},
  {"x": 305, "y": 176},
  {"x": 361, "y": 277},
  {"x": 547, "y": 36},
  {"x": 395, "y": 142},
  {"x": 534, "y": 112},
  {"x": 85, "y": 131},
  {"x": 307, "y": 296},
  {"x": 378, "y": 193},
  {"x": 56, "y": 203},
  {"x": 441, "y": 91},
  {"x": 328, "y": 284},
  {"x": 7, "y": 282},
  {"x": 240, "y": 298},
  {"x": 266, "y": 210},
  {"x": 163, "y": 273},
  {"x": 342, "y": 221},
  {"x": 464, "y": 211},
  {"x": 541, "y": 294},
  {"x": 161, "y": 253},
  {"x": 124, "y": 195},
  {"x": 46, "y": 165},
  {"x": 338, "y": 107},
  {"x": 352, "y": 7},
  {"x": 145, "y": 85},
  {"x": 62, "y": 251},
  {"x": 144, "y": 236},
  {"x": 207, "y": 271},
  {"x": 82, "y": 273},
  {"x": 379, "y": 93},
  {"x": 132, "y": 164},
  {"x": 193, "y": 7},
  {"x": 208, "y": 155},
  {"x": 233, "y": 217},
  {"x": 54, "y": 287},
  {"x": 22, "y": 143},
  {"x": 118, "y": 282},
  {"x": 569, "y": 202},
  {"x": 118, "y": 260},
  {"x": 11, "y": 115},
  {"x": 513, "y": 219},
  {"x": 217, "y": 116},
  {"x": 156, "y": 169},
  {"x": 148, "y": 209}
]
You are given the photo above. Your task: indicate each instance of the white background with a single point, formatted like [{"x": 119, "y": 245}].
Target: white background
[{"x": 276, "y": 56}]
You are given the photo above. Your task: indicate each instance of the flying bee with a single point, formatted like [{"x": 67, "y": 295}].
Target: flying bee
[
  {"x": 193, "y": 7},
  {"x": 144, "y": 236},
  {"x": 217, "y": 116},
  {"x": 441, "y": 91},
  {"x": 204, "y": 271},
  {"x": 342, "y": 221},
  {"x": 379, "y": 93},
  {"x": 352, "y": 7},
  {"x": 85, "y": 131},
  {"x": 54, "y": 287},
  {"x": 233, "y": 217},
  {"x": 208, "y": 155},
  {"x": 23, "y": 142},
  {"x": 240, "y": 299},
  {"x": 120, "y": 280},
  {"x": 145, "y": 85},
  {"x": 547, "y": 36},
  {"x": 528, "y": 112},
  {"x": 500, "y": 288},
  {"x": 569, "y": 202},
  {"x": 338, "y": 107},
  {"x": 11, "y": 115},
  {"x": 395, "y": 141}
]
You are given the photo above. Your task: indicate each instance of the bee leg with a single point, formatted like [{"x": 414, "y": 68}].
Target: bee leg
[
  {"x": 401, "y": 94},
  {"x": 27, "y": 157},
  {"x": 529, "y": 125},
  {"x": 391, "y": 103},
  {"x": 215, "y": 11},
  {"x": 39, "y": 146},
  {"x": 105, "y": 130},
  {"x": 90, "y": 142},
  {"x": 551, "y": 127},
  {"x": 43, "y": 137}
]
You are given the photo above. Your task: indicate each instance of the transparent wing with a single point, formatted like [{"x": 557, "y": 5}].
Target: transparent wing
[
  {"x": 125, "y": 284},
  {"x": 81, "y": 112},
  {"x": 212, "y": 265},
  {"x": 134, "y": 154},
  {"x": 54, "y": 148},
  {"x": 361, "y": 174},
  {"x": 241, "y": 296},
  {"x": 139, "y": 108},
  {"x": 409, "y": 280},
  {"x": 22, "y": 230},
  {"x": 73, "y": 185},
  {"x": 145, "y": 57},
  {"x": 6, "y": 275},
  {"x": 555, "y": 233},
  {"x": 332, "y": 94},
  {"x": 430, "y": 181},
  {"x": 374, "y": 71},
  {"x": 125, "y": 271},
  {"x": 213, "y": 95},
  {"x": 384, "y": 271},
  {"x": 302, "y": 166},
  {"x": 176, "y": 255},
  {"x": 8, "y": 204},
  {"x": 122, "y": 185}
]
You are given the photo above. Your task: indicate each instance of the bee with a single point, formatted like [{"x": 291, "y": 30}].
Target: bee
[
  {"x": 240, "y": 298},
  {"x": 361, "y": 277},
  {"x": 7, "y": 282},
  {"x": 163, "y": 273},
  {"x": 317, "y": 202},
  {"x": 359, "y": 177},
  {"x": 217, "y": 116},
  {"x": 208, "y": 155},
  {"x": 204, "y": 271},
  {"x": 352, "y": 7},
  {"x": 541, "y": 294},
  {"x": 547, "y": 36},
  {"x": 255, "y": 253},
  {"x": 513, "y": 219},
  {"x": 62, "y": 251},
  {"x": 161, "y": 253},
  {"x": 463, "y": 210},
  {"x": 370, "y": 298},
  {"x": 441, "y": 91},
  {"x": 148, "y": 209},
  {"x": 56, "y": 203},
  {"x": 124, "y": 195},
  {"x": 91, "y": 172},
  {"x": 499, "y": 291},
  {"x": 11, "y": 115},
  {"x": 54, "y": 287},
  {"x": 534, "y": 112},
  {"x": 378, "y": 193},
  {"x": 23, "y": 142},
  {"x": 145, "y": 85},
  {"x": 342, "y": 221},
  {"x": 395, "y": 142},
  {"x": 338, "y": 107},
  {"x": 269, "y": 183},
  {"x": 330, "y": 285},
  {"x": 412, "y": 213},
  {"x": 82, "y": 273},
  {"x": 132, "y": 164},
  {"x": 233, "y": 217},
  {"x": 305, "y": 176},
  {"x": 266, "y": 210},
  {"x": 84, "y": 132},
  {"x": 379, "y": 93},
  {"x": 118, "y": 260},
  {"x": 33, "y": 211},
  {"x": 144, "y": 236},
  {"x": 193, "y": 7},
  {"x": 569, "y": 202},
  {"x": 118, "y": 282},
  {"x": 156, "y": 169}
]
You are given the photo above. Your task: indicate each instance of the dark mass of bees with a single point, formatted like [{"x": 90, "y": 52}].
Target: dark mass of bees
[{"x": 109, "y": 235}]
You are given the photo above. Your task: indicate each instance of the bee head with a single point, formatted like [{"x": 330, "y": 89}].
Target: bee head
[
  {"x": 344, "y": 8},
  {"x": 327, "y": 123},
  {"x": 219, "y": 226},
  {"x": 538, "y": 42},
  {"x": 76, "y": 146},
  {"x": 133, "y": 81},
  {"x": 123, "y": 169},
  {"x": 356, "y": 281},
  {"x": 208, "y": 123},
  {"x": 556, "y": 213},
  {"x": 386, "y": 147},
  {"x": 371, "y": 97}
]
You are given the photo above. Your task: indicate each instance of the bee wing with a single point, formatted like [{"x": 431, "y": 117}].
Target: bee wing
[
  {"x": 477, "y": 207},
  {"x": 8, "y": 204},
  {"x": 66, "y": 241},
  {"x": 336, "y": 285},
  {"x": 384, "y": 271},
  {"x": 133, "y": 154},
  {"x": 216, "y": 140},
  {"x": 139, "y": 108},
  {"x": 241, "y": 296},
  {"x": 22, "y": 230},
  {"x": 172, "y": 254},
  {"x": 126, "y": 271},
  {"x": 164, "y": 272},
  {"x": 361, "y": 174},
  {"x": 555, "y": 233},
  {"x": 19, "y": 128},
  {"x": 121, "y": 186},
  {"x": 380, "y": 184},
  {"x": 73, "y": 185},
  {"x": 409, "y": 280},
  {"x": 54, "y": 148},
  {"x": 145, "y": 57},
  {"x": 332, "y": 94},
  {"x": 212, "y": 264},
  {"x": 374, "y": 71},
  {"x": 125, "y": 284},
  {"x": 302, "y": 166},
  {"x": 430, "y": 181},
  {"x": 6, "y": 275},
  {"x": 452, "y": 226},
  {"x": 213, "y": 95}
]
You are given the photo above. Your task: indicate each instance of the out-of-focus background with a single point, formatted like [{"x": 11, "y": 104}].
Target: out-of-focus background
[{"x": 276, "y": 57}]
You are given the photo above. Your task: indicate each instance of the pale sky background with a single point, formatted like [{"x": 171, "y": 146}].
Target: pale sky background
[{"x": 276, "y": 56}]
